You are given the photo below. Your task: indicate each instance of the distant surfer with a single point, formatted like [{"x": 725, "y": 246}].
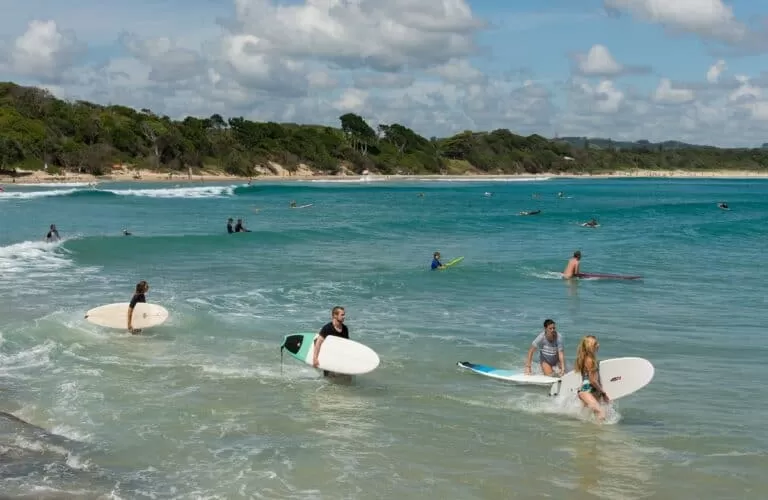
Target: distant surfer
[
  {"x": 549, "y": 343},
  {"x": 561, "y": 195},
  {"x": 591, "y": 391},
  {"x": 436, "y": 264},
  {"x": 572, "y": 269},
  {"x": 229, "y": 225},
  {"x": 533, "y": 212},
  {"x": 592, "y": 223},
  {"x": 240, "y": 227},
  {"x": 335, "y": 328},
  {"x": 126, "y": 232},
  {"x": 53, "y": 234},
  {"x": 142, "y": 287},
  {"x": 293, "y": 204},
  {"x": 723, "y": 205}
]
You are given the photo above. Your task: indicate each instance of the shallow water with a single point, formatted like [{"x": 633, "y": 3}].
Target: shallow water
[{"x": 201, "y": 407}]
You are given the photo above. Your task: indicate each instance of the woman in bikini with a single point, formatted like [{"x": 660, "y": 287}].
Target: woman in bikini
[{"x": 591, "y": 392}]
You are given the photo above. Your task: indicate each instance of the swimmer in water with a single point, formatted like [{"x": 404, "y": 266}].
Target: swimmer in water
[
  {"x": 436, "y": 264},
  {"x": 592, "y": 223},
  {"x": 572, "y": 269}
]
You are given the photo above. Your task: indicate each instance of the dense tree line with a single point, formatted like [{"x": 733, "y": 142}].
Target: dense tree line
[{"x": 37, "y": 128}]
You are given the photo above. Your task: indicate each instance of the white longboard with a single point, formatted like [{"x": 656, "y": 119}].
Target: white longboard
[
  {"x": 337, "y": 354},
  {"x": 116, "y": 315},
  {"x": 619, "y": 377},
  {"x": 514, "y": 376}
]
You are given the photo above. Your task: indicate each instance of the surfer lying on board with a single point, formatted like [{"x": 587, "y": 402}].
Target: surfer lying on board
[
  {"x": 592, "y": 223},
  {"x": 572, "y": 269},
  {"x": 591, "y": 392},
  {"x": 551, "y": 352},
  {"x": 142, "y": 287},
  {"x": 335, "y": 328},
  {"x": 436, "y": 264}
]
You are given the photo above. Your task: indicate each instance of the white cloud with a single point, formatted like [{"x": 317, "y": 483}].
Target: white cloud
[
  {"x": 666, "y": 94},
  {"x": 714, "y": 72},
  {"x": 43, "y": 51},
  {"x": 598, "y": 61},
  {"x": 707, "y": 18}
]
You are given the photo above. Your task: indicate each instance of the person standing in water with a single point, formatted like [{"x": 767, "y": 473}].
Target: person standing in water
[
  {"x": 591, "y": 392},
  {"x": 53, "y": 234},
  {"x": 336, "y": 328},
  {"x": 551, "y": 351},
  {"x": 142, "y": 287},
  {"x": 572, "y": 269},
  {"x": 229, "y": 226}
]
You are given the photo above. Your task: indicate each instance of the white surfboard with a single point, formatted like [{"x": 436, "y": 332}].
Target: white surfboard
[
  {"x": 514, "y": 376},
  {"x": 116, "y": 315},
  {"x": 619, "y": 377},
  {"x": 337, "y": 354}
]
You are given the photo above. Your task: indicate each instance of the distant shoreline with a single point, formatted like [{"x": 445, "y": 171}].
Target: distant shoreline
[{"x": 147, "y": 176}]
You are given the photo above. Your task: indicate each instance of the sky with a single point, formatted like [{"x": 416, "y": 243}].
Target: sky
[{"x": 689, "y": 70}]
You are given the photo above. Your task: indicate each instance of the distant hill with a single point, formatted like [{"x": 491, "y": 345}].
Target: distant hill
[{"x": 601, "y": 143}]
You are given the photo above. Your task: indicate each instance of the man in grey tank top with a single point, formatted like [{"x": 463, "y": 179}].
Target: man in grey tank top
[{"x": 549, "y": 343}]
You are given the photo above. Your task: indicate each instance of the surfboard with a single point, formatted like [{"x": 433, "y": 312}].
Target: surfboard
[
  {"x": 604, "y": 276},
  {"x": 304, "y": 206},
  {"x": 337, "y": 354},
  {"x": 454, "y": 262},
  {"x": 514, "y": 376},
  {"x": 620, "y": 377},
  {"x": 584, "y": 224},
  {"x": 116, "y": 315}
]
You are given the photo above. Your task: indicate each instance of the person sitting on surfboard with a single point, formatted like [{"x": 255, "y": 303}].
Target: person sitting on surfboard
[
  {"x": 335, "y": 328},
  {"x": 723, "y": 205},
  {"x": 551, "y": 352},
  {"x": 436, "y": 264},
  {"x": 229, "y": 226},
  {"x": 572, "y": 269},
  {"x": 142, "y": 287},
  {"x": 240, "y": 228},
  {"x": 591, "y": 391}
]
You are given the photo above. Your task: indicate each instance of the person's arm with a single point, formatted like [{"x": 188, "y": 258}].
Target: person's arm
[
  {"x": 318, "y": 342},
  {"x": 561, "y": 353},
  {"x": 594, "y": 381},
  {"x": 529, "y": 360},
  {"x": 134, "y": 300}
]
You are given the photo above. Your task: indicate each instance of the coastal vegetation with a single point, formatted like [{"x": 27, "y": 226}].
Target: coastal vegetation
[{"x": 38, "y": 129}]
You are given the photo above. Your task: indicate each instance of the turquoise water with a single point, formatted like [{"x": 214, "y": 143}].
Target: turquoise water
[{"x": 201, "y": 407}]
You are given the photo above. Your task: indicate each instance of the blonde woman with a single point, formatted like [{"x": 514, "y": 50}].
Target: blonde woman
[{"x": 591, "y": 392}]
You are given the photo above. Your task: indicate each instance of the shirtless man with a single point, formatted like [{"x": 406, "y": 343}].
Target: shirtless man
[{"x": 572, "y": 269}]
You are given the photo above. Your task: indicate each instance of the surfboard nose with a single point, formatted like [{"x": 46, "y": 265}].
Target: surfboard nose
[{"x": 293, "y": 343}]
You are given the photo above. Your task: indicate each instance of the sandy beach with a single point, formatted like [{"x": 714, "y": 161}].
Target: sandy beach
[{"x": 41, "y": 177}]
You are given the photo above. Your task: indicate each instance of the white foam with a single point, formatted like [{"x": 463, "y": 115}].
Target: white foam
[
  {"x": 54, "y": 184},
  {"x": 186, "y": 192},
  {"x": 29, "y": 195}
]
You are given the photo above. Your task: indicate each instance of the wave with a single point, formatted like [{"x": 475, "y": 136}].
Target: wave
[{"x": 175, "y": 192}]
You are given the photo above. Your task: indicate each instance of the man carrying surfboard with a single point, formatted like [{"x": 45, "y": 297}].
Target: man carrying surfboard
[
  {"x": 572, "y": 269},
  {"x": 336, "y": 328},
  {"x": 142, "y": 287},
  {"x": 551, "y": 352}
]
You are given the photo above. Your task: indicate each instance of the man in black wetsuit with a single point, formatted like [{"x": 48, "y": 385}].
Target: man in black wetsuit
[
  {"x": 53, "y": 234},
  {"x": 240, "y": 228},
  {"x": 335, "y": 328},
  {"x": 229, "y": 226}
]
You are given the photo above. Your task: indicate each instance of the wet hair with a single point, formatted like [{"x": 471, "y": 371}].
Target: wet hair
[
  {"x": 434, "y": 255},
  {"x": 142, "y": 286},
  {"x": 548, "y": 322},
  {"x": 577, "y": 254},
  {"x": 586, "y": 351}
]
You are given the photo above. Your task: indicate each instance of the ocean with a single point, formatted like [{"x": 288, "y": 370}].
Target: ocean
[{"x": 204, "y": 407}]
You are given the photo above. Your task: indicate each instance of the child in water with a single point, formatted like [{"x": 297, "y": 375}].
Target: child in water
[{"x": 591, "y": 392}]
